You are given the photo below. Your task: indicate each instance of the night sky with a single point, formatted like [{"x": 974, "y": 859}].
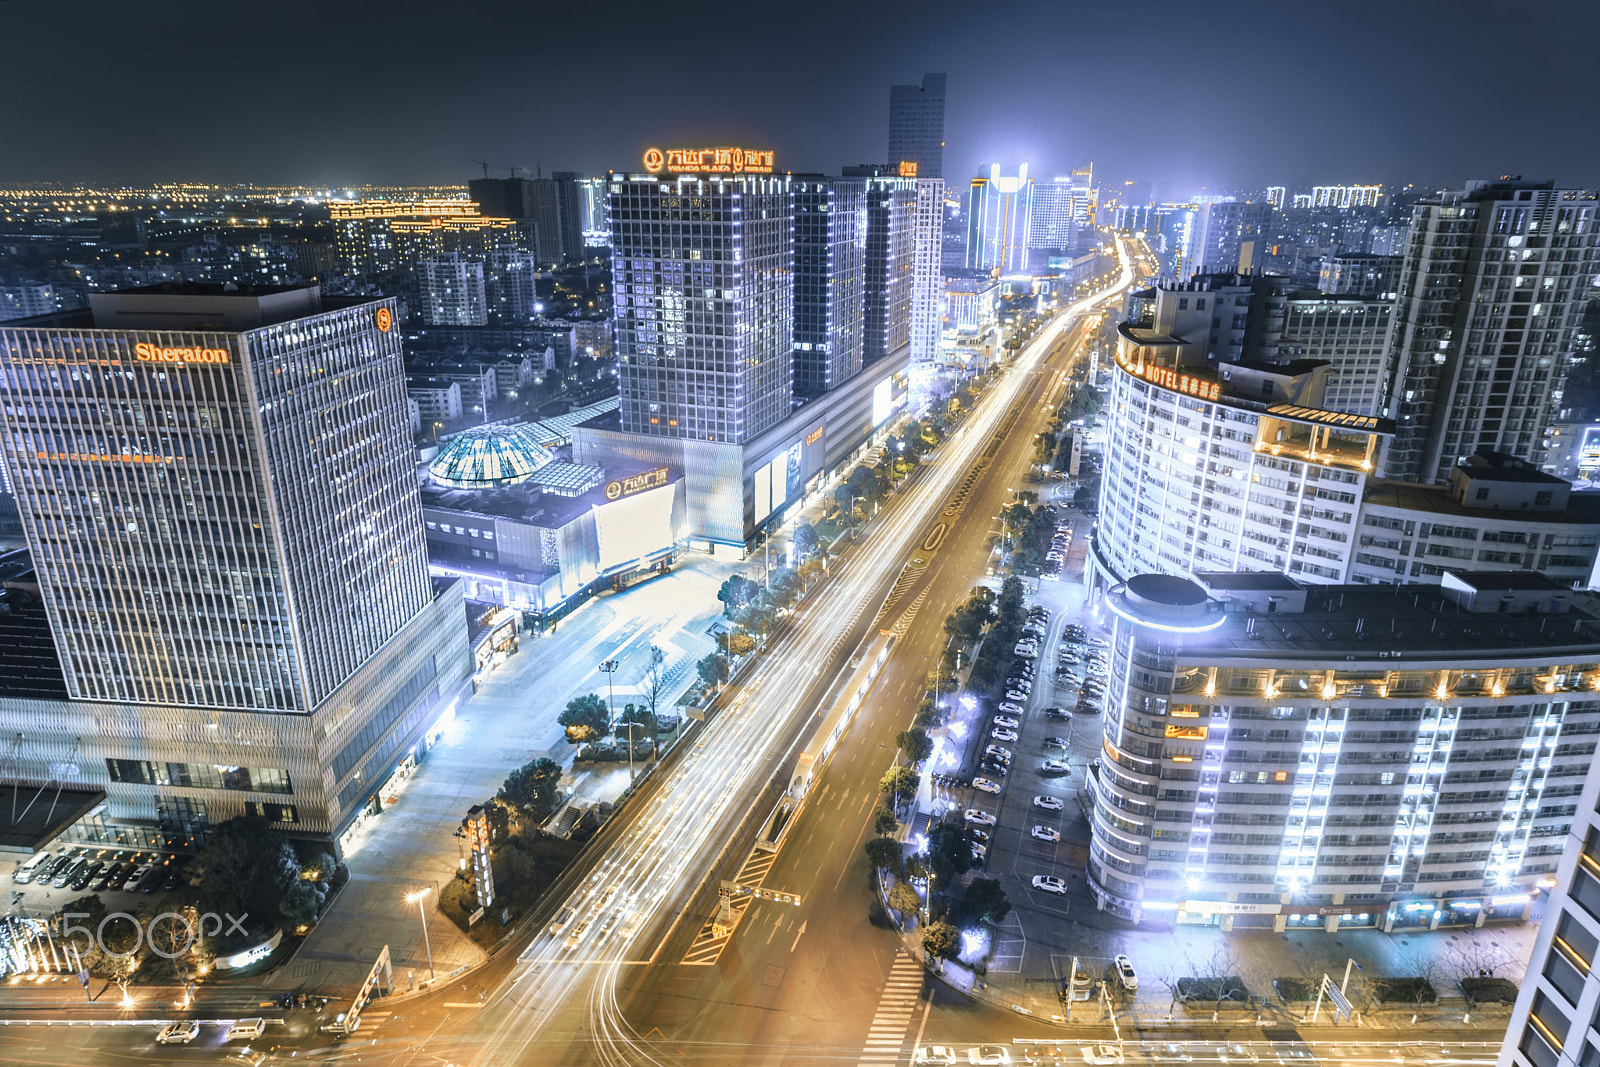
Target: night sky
[{"x": 1215, "y": 95}]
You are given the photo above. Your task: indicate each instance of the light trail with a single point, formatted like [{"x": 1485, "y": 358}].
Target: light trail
[{"x": 679, "y": 832}]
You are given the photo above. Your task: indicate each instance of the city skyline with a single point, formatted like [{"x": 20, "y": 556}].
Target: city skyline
[{"x": 370, "y": 129}]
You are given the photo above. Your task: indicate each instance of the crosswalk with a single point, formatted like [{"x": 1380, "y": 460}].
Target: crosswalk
[{"x": 887, "y": 1036}]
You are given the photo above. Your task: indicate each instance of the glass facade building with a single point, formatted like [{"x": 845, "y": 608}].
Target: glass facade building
[
  {"x": 830, "y": 244},
  {"x": 704, "y": 305}
]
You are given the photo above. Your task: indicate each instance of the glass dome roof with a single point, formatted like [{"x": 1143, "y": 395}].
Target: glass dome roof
[{"x": 489, "y": 456}]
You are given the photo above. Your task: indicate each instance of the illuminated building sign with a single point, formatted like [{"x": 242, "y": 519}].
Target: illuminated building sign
[
  {"x": 103, "y": 457},
  {"x": 908, "y": 168},
  {"x": 383, "y": 319},
  {"x": 708, "y": 161},
  {"x": 1183, "y": 383},
  {"x": 638, "y": 483},
  {"x": 147, "y": 353},
  {"x": 815, "y": 436}
]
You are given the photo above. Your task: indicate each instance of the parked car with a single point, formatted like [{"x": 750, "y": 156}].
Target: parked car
[
  {"x": 30, "y": 868},
  {"x": 980, "y": 854},
  {"x": 978, "y": 818},
  {"x": 1001, "y": 733},
  {"x": 1047, "y": 803},
  {"x": 986, "y": 785},
  {"x": 980, "y": 836},
  {"x": 1055, "y": 742},
  {"x": 1049, "y": 883},
  {"x": 1055, "y": 766},
  {"x": 86, "y": 875},
  {"x": 1007, "y": 721},
  {"x": 934, "y": 1054},
  {"x": 1016, "y": 696},
  {"x": 988, "y": 1054},
  {"x": 1045, "y": 833},
  {"x": 1125, "y": 973},
  {"x": 998, "y": 753},
  {"x": 1058, "y": 715}
]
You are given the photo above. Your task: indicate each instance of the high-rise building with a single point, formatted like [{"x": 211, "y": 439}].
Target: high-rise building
[
  {"x": 1061, "y": 208},
  {"x": 1233, "y": 236},
  {"x": 1490, "y": 298},
  {"x": 553, "y": 204},
  {"x": 452, "y": 291},
  {"x": 25, "y": 301},
  {"x": 927, "y": 269},
  {"x": 1361, "y": 274},
  {"x": 703, "y": 272},
  {"x": 373, "y": 236},
  {"x": 999, "y": 212},
  {"x": 830, "y": 245},
  {"x": 218, "y": 492},
  {"x": 1275, "y": 195},
  {"x": 569, "y": 201},
  {"x": 892, "y": 207},
  {"x": 1553, "y": 1022},
  {"x": 592, "y": 198},
  {"x": 1350, "y": 334},
  {"x": 1346, "y": 195},
  {"x": 1339, "y": 757},
  {"x": 511, "y": 286},
  {"x": 916, "y": 126}
]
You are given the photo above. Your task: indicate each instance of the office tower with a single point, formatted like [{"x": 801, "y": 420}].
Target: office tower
[
  {"x": 704, "y": 304},
  {"x": 452, "y": 291},
  {"x": 927, "y": 269},
  {"x": 1232, "y": 236},
  {"x": 501, "y": 198},
  {"x": 891, "y": 264},
  {"x": 1358, "y": 274},
  {"x": 221, "y": 505},
  {"x": 569, "y": 201},
  {"x": 953, "y": 239},
  {"x": 999, "y": 210},
  {"x": 1553, "y": 1023},
  {"x": 1270, "y": 762},
  {"x": 830, "y": 245},
  {"x": 592, "y": 198},
  {"x": 1490, "y": 297},
  {"x": 916, "y": 126},
  {"x": 1346, "y": 195},
  {"x": 1350, "y": 334},
  {"x": 1275, "y": 195},
  {"x": 1061, "y": 207},
  {"x": 554, "y": 205}
]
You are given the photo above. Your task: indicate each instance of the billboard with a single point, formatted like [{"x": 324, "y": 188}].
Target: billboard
[{"x": 882, "y": 401}]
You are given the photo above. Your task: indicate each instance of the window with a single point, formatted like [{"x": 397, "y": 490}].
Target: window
[
  {"x": 1541, "y": 499},
  {"x": 1549, "y": 1020},
  {"x": 1483, "y": 494}
]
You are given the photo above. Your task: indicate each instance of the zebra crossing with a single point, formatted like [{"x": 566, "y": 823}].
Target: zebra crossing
[
  {"x": 887, "y": 1036},
  {"x": 716, "y": 931}
]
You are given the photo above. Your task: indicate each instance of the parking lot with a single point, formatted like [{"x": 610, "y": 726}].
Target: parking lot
[{"x": 70, "y": 871}]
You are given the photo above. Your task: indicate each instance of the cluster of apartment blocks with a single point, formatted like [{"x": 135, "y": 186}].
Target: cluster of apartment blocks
[{"x": 1278, "y": 754}]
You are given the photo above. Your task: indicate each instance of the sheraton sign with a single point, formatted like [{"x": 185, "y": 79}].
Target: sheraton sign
[
  {"x": 638, "y": 483},
  {"x": 148, "y": 353}
]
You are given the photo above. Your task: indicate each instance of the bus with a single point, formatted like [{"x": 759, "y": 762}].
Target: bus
[{"x": 837, "y": 716}]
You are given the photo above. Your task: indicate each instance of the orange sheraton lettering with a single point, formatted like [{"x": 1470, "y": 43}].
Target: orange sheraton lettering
[{"x": 148, "y": 353}]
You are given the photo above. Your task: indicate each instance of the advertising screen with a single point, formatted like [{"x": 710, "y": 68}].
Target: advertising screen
[
  {"x": 635, "y": 526},
  {"x": 882, "y": 401}
]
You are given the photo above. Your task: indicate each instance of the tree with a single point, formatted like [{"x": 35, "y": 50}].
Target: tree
[
  {"x": 942, "y": 940},
  {"x": 805, "y": 539},
  {"x": 984, "y": 901},
  {"x": 759, "y": 616},
  {"x": 741, "y": 644},
  {"x": 713, "y": 669},
  {"x": 862, "y": 482},
  {"x": 247, "y": 865},
  {"x": 915, "y": 743},
  {"x": 735, "y": 593},
  {"x": 300, "y": 902},
  {"x": 587, "y": 711},
  {"x": 900, "y": 783},
  {"x": 532, "y": 787},
  {"x": 844, "y": 498},
  {"x": 653, "y": 685},
  {"x": 904, "y": 900},
  {"x": 322, "y": 867},
  {"x": 785, "y": 587},
  {"x": 949, "y": 851},
  {"x": 884, "y": 852},
  {"x": 809, "y": 571},
  {"x": 884, "y": 822}
]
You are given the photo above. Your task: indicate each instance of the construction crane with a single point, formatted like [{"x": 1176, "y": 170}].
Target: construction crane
[{"x": 497, "y": 166}]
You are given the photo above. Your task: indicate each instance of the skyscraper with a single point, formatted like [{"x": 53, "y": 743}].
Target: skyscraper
[
  {"x": 1490, "y": 297},
  {"x": 927, "y": 269},
  {"x": 703, "y": 269},
  {"x": 1232, "y": 236},
  {"x": 830, "y": 245},
  {"x": 916, "y": 126},
  {"x": 452, "y": 291},
  {"x": 218, "y": 493},
  {"x": 891, "y": 261},
  {"x": 999, "y": 213}
]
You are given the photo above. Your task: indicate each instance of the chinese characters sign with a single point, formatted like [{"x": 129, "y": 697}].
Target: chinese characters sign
[{"x": 708, "y": 161}]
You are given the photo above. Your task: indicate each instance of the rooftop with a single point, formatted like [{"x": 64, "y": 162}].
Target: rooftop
[
  {"x": 1581, "y": 507},
  {"x": 1498, "y": 467},
  {"x": 487, "y": 456}
]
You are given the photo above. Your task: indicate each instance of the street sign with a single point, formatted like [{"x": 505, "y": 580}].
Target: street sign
[{"x": 1341, "y": 1003}]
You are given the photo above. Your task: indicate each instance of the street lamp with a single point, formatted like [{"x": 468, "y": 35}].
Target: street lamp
[
  {"x": 610, "y": 668},
  {"x": 417, "y": 898}
]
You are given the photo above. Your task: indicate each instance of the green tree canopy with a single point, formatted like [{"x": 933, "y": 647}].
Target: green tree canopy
[
  {"x": 942, "y": 940},
  {"x": 904, "y": 899},
  {"x": 805, "y": 539},
  {"x": 589, "y": 711},
  {"x": 900, "y": 783},
  {"x": 785, "y": 587},
  {"x": 984, "y": 901},
  {"x": 532, "y": 787},
  {"x": 915, "y": 743},
  {"x": 884, "y": 821},
  {"x": 713, "y": 669},
  {"x": 247, "y": 865},
  {"x": 884, "y": 852},
  {"x": 735, "y": 593}
]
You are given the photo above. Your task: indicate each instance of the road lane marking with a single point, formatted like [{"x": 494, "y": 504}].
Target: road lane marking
[
  {"x": 886, "y": 1035},
  {"x": 798, "y": 934}
]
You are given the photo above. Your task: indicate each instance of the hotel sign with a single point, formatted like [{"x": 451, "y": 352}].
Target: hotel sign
[
  {"x": 908, "y": 168},
  {"x": 1183, "y": 383},
  {"x": 708, "y": 161},
  {"x": 816, "y": 435},
  {"x": 638, "y": 483},
  {"x": 148, "y": 353}
]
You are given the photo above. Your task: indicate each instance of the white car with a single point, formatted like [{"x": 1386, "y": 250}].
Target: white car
[
  {"x": 1045, "y": 833},
  {"x": 1237, "y": 1054},
  {"x": 1006, "y": 721},
  {"x": 1025, "y": 651},
  {"x": 1049, "y": 883},
  {"x": 988, "y": 1054},
  {"x": 938, "y": 1054},
  {"x": 1010, "y": 708},
  {"x": 1170, "y": 1053},
  {"x": 1101, "y": 1055},
  {"x": 1047, "y": 803},
  {"x": 179, "y": 1033},
  {"x": 1125, "y": 973},
  {"x": 980, "y": 818},
  {"x": 996, "y": 752},
  {"x": 1001, "y": 733},
  {"x": 986, "y": 785},
  {"x": 1055, "y": 766}
]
